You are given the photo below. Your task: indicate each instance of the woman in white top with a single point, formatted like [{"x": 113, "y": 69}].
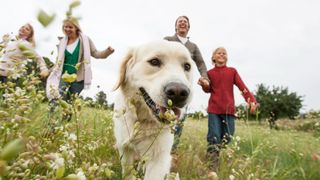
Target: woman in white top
[
  {"x": 16, "y": 51},
  {"x": 74, "y": 52}
]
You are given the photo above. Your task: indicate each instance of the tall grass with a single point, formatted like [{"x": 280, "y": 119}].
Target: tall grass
[{"x": 256, "y": 153}]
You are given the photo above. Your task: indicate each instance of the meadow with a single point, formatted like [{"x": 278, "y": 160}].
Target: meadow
[
  {"x": 83, "y": 148},
  {"x": 37, "y": 143}
]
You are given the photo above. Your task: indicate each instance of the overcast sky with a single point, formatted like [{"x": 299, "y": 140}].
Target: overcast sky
[{"x": 274, "y": 42}]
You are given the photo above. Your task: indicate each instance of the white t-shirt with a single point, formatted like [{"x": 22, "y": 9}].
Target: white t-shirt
[
  {"x": 183, "y": 39},
  {"x": 72, "y": 47}
]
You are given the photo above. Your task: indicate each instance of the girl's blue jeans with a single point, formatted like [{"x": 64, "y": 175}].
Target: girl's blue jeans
[{"x": 221, "y": 128}]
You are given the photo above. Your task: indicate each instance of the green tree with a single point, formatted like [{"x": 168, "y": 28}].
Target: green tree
[
  {"x": 277, "y": 103},
  {"x": 101, "y": 99},
  {"x": 197, "y": 115},
  {"x": 111, "y": 106},
  {"x": 244, "y": 114},
  {"x": 89, "y": 101}
]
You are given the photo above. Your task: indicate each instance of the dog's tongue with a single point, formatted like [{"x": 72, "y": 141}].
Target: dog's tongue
[{"x": 177, "y": 112}]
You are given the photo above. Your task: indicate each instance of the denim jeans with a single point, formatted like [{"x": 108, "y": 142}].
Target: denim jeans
[
  {"x": 221, "y": 128},
  {"x": 74, "y": 88},
  {"x": 67, "y": 91},
  {"x": 3, "y": 79}
]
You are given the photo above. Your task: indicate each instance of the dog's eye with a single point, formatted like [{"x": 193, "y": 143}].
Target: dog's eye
[
  {"x": 155, "y": 62},
  {"x": 187, "y": 67}
]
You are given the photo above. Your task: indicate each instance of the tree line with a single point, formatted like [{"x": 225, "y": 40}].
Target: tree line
[{"x": 275, "y": 103}]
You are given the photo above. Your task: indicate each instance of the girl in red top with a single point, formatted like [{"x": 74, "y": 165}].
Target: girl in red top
[{"x": 221, "y": 108}]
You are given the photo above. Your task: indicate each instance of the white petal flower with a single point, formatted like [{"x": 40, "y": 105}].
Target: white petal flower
[
  {"x": 231, "y": 177},
  {"x": 72, "y": 137},
  {"x": 63, "y": 148},
  {"x": 59, "y": 162},
  {"x": 19, "y": 91},
  {"x": 15, "y": 76},
  {"x": 238, "y": 138},
  {"x": 71, "y": 154},
  {"x": 80, "y": 175}
]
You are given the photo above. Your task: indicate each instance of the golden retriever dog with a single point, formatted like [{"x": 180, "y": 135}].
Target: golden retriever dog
[{"x": 155, "y": 78}]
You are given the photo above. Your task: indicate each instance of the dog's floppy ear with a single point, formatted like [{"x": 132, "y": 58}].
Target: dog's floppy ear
[{"x": 123, "y": 69}]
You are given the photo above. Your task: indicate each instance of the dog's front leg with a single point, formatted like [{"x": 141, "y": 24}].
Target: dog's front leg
[
  {"x": 128, "y": 158},
  {"x": 159, "y": 165},
  {"x": 158, "y": 169}
]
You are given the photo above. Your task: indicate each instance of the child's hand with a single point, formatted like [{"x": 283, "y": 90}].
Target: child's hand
[
  {"x": 253, "y": 107},
  {"x": 204, "y": 83}
]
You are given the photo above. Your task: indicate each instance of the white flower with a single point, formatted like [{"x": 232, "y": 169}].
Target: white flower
[
  {"x": 6, "y": 95},
  {"x": 15, "y": 75},
  {"x": 93, "y": 168},
  {"x": 19, "y": 91},
  {"x": 80, "y": 175},
  {"x": 63, "y": 148},
  {"x": 71, "y": 154},
  {"x": 231, "y": 177},
  {"x": 72, "y": 137},
  {"x": 93, "y": 146},
  {"x": 233, "y": 171},
  {"x": 58, "y": 161},
  {"x": 238, "y": 138}
]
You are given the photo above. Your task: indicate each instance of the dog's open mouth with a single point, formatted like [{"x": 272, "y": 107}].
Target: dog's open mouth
[{"x": 164, "y": 114}]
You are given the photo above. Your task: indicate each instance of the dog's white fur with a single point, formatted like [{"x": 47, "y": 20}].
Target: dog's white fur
[{"x": 139, "y": 135}]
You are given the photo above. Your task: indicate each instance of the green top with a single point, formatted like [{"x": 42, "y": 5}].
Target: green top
[{"x": 70, "y": 60}]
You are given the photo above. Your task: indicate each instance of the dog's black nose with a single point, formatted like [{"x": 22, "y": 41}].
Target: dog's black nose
[{"x": 178, "y": 93}]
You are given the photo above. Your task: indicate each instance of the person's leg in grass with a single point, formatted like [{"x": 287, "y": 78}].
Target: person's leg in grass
[
  {"x": 74, "y": 89},
  {"x": 228, "y": 128},
  {"x": 214, "y": 140},
  {"x": 176, "y": 141}
]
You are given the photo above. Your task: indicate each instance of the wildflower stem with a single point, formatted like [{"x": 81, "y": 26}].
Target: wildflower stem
[{"x": 78, "y": 135}]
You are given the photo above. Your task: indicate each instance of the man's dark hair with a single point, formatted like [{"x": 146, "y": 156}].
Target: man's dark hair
[{"x": 175, "y": 24}]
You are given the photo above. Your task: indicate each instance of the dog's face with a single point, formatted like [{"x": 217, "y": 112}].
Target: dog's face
[{"x": 160, "y": 70}]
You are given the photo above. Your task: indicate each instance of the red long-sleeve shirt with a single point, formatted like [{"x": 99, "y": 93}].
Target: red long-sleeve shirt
[{"x": 221, "y": 99}]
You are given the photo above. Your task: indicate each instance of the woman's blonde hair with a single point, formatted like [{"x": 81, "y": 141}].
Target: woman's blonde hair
[
  {"x": 73, "y": 21},
  {"x": 31, "y": 36},
  {"x": 215, "y": 52}
]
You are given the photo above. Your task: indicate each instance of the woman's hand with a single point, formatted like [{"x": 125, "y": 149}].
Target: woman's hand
[
  {"x": 110, "y": 49},
  {"x": 44, "y": 74}
]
